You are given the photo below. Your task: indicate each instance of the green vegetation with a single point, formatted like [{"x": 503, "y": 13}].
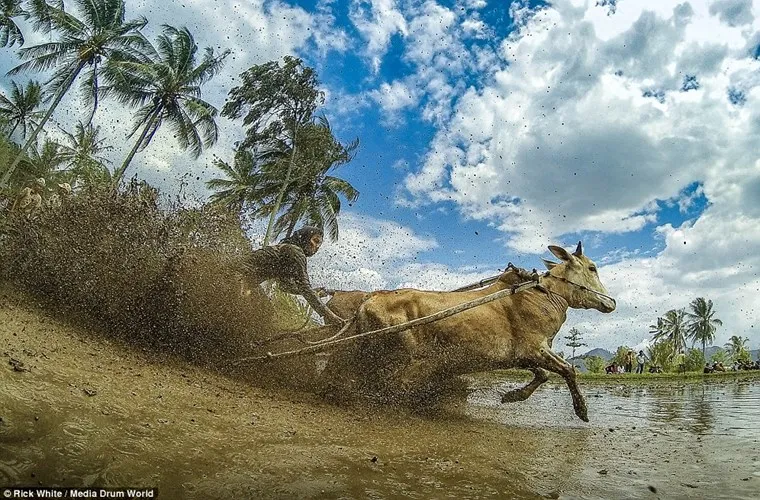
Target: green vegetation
[
  {"x": 167, "y": 88},
  {"x": 702, "y": 323},
  {"x": 283, "y": 169},
  {"x": 594, "y": 364},
  {"x": 287, "y": 151}
]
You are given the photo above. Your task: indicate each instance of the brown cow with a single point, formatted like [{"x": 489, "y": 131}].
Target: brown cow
[{"x": 513, "y": 332}]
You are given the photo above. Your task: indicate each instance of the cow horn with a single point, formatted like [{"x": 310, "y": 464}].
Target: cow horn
[{"x": 578, "y": 251}]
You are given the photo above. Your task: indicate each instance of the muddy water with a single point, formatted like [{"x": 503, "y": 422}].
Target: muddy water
[
  {"x": 686, "y": 438},
  {"x": 85, "y": 412}
]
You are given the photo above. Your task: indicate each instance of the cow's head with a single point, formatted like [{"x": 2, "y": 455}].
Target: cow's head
[{"x": 577, "y": 269}]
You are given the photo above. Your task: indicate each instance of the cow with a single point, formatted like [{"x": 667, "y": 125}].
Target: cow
[
  {"x": 515, "y": 331},
  {"x": 344, "y": 303}
]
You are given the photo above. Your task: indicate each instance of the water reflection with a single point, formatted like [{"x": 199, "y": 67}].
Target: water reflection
[{"x": 695, "y": 406}]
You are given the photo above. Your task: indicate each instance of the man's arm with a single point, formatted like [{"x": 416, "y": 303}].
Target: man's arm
[{"x": 302, "y": 285}]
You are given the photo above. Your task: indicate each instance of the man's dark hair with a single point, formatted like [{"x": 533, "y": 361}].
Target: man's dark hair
[{"x": 302, "y": 237}]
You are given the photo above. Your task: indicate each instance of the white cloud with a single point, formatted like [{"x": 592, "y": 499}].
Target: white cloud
[
  {"x": 733, "y": 12},
  {"x": 563, "y": 140},
  {"x": 377, "y": 21},
  {"x": 395, "y": 97},
  {"x": 375, "y": 254}
]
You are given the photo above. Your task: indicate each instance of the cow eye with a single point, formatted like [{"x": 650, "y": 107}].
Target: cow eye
[{"x": 592, "y": 269}]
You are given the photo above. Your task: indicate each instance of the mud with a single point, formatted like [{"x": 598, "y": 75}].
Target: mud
[{"x": 79, "y": 410}]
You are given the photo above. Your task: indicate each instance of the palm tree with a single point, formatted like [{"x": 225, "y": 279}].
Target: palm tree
[
  {"x": 656, "y": 329},
  {"x": 100, "y": 33},
  {"x": 736, "y": 347},
  {"x": 312, "y": 195},
  {"x": 702, "y": 323},
  {"x": 21, "y": 108},
  {"x": 10, "y": 34},
  {"x": 660, "y": 354},
  {"x": 45, "y": 162},
  {"x": 276, "y": 104},
  {"x": 82, "y": 154},
  {"x": 168, "y": 88},
  {"x": 240, "y": 187},
  {"x": 672, "y": 330}
]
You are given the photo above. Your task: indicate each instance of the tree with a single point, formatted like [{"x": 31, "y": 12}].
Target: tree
[
  {"x": 620, "y": 355},
  {"x": 276, "y": 103},
  {"x": 312, "y": 195},
  {"x": 45, "y": 162},
  {"x": 594, "y": 364},
  {"x": 83, "y": 43},
  {"x": 574, "y": 340},
  {"x": 21, "y": 108},
  {"x": 82, "y": 154},
  {"x": 695, "y": 360},
  {"x": 719, "y": 356},
  {"x": 737, "y": 348},
  {"x": 238, "y": 190},
  {"x": 673, "y": 330},
  {"x": 10, "y": 33},
  {"x": 168, "y": 89},
  {"x": 661, "y": 354},
  {"x": 702, "y": 322}
]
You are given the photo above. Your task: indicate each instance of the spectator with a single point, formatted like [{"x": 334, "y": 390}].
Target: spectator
[
  {"x": 29, "y": 199},
  {"x": 629, "y": 357},
  {"x": 640, "y": 359}
]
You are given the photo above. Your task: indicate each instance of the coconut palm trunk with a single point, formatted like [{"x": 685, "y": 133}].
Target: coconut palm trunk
[
  {"x": 283, "y": 190},
  {"x": 119, "y": 173},
  {"x": 45, "y": 118}
]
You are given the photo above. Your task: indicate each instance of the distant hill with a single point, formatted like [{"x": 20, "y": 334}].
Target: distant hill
[
  {"x": 602, "y": 353},
  {"x": 579, "y": 363}
]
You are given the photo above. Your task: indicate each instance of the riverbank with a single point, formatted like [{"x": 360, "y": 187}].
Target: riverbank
[
  {"x": 632, "y": 378},
  {"x": 79, "y": 409}
]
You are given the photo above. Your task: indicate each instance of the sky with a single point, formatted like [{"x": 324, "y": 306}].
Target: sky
[{"x": 490, "y": 130}]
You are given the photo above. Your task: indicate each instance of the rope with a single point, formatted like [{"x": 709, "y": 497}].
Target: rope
[
  {"x": 401, "y": 327},
  {"x": 582, "y": 287}
]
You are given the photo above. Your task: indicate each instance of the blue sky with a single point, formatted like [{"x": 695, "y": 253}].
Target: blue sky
[{"x": 490, "y": 130}]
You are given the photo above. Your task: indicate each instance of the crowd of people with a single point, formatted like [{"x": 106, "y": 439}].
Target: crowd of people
[
  {"x": 36, "y": 196},
  {"x": 717, "y": 366},
  {"x": 627, "y": 366},
  {"x": 628, "y": 359}
]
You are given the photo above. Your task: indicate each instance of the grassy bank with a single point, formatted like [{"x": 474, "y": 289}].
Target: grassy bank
[{"x": 629, "y": 378}]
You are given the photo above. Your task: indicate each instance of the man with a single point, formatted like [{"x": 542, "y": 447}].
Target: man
[
  {"x": 62, "y": 192},
  {"x": 640, "y": 359},
  {"x": 629, "y": 361},
  {"x": 286, "y": 263}
]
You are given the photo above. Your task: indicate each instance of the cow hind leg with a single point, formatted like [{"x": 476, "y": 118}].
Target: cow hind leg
[
  {"x": 548, "y": 360},
  {"x": 539, "y": 377}
]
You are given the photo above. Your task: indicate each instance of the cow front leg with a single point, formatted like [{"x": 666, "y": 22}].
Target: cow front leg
[
  {"x": 539, "y": 377},
  {"x": 548, "y": 360}
]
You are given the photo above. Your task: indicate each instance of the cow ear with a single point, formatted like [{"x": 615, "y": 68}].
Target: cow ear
[
  {"x": 559, "y": 252},
  {"x": 549, "y": 264},
  {"x": 579, "y": 250}
]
